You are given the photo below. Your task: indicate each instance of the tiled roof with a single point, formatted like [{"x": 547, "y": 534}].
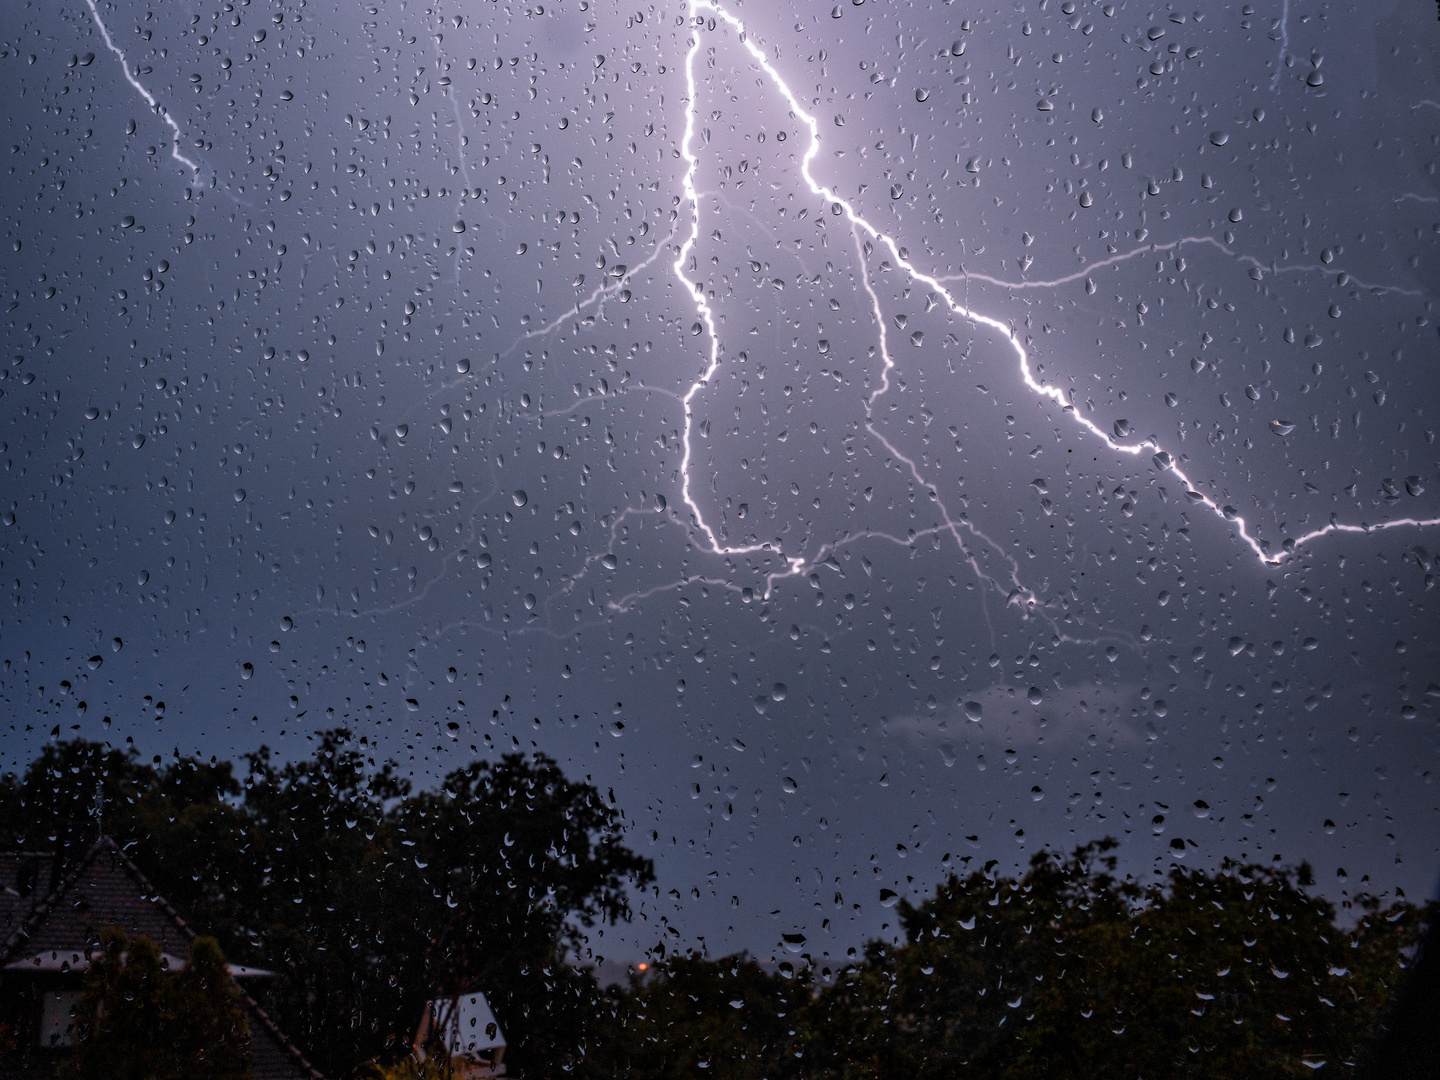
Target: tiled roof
[
  {"x": 24, "y": 881},
  {"x": 106, "y": 889}
]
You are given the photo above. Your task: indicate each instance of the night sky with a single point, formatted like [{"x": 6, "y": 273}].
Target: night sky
[{"x": 452, "y": 374}]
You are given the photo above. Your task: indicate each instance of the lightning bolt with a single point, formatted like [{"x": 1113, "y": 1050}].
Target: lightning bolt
[
  {"x": 144, "y": 93},
  {"x": 1284, "y": 45},
  {"x": 862, "y": 228}
]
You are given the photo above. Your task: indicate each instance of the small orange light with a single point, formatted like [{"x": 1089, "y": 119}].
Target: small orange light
[{"x": 643, "y": 967}]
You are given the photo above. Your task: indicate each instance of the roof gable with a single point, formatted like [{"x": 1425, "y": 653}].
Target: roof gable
[{"x": 106, "y": 889}]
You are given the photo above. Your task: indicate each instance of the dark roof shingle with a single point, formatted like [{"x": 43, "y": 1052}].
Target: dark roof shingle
[{"x": 106, "y": 889}]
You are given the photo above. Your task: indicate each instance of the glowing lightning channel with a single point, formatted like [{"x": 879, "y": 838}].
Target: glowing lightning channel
[
  {"x": 140, "y": 89},
  {"x": 795, "y": 564},
  {"x": 1284, "y": 45}
]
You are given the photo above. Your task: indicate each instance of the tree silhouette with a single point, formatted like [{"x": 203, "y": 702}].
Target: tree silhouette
[
  {"x": 366, "y": 898},
  {"x": 1069, "y": 972},
  {"x": 137, "y": 1021}
]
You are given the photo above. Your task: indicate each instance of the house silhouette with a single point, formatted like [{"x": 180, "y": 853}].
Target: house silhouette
[{"x": 52, "y": 917}]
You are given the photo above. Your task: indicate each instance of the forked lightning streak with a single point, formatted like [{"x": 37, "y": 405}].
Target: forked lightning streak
[
  {"x": 840, "y": 206},
  {"x": 144, "y": 93}
]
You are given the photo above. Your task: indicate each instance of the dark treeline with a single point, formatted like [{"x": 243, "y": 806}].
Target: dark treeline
[
  {"x": 366, "y": 897},
  {"x": 1066, "y": 972},
  {"x": 369, "y": 897}
]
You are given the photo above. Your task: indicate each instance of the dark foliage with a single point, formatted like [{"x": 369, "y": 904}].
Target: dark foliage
[
  {"x": 139, "y": 1022},
  {"x": 1071, "y": 973},
  {"x": 728, "y": 1019},
  {"x": 368, "y": 898},
  {"x": 1067, "y": 972}
]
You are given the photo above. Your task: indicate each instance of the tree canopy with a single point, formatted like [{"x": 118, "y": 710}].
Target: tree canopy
[
  {"x": 369, "y": 897},
  {"x": 1068, "y": 971},
  {"x": 366, "y": 897},
  {"x": 137, "y": 1021}
]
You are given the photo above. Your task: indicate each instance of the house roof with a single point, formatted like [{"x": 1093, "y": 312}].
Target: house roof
[
  {"x": 466, "y": 1023},
  {"x": 61, "y": 961},
  {"x": 24, "y": 880},
  {"x": 106, "y": 889}
]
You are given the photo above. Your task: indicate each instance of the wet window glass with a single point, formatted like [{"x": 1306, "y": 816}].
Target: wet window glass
[{"x": 787, "y": 539}]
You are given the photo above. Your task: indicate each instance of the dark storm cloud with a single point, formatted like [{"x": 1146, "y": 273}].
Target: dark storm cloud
[{"x": 374, "y": 418}]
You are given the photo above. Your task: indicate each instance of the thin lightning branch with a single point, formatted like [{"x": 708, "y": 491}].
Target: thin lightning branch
[
  {"x": 1284, "y": 44},
  {"x": 140, "y": 89},
  {"x": 449, "y": 92},
  {"x": 840, "y": 206},
  {"x": 1015, "y": 590},
  {"x": 1148, "y": 249},
  {"x": 600, "y": 292}
]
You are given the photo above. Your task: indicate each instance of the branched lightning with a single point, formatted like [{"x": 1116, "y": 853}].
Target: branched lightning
[
  {"x": 1007, "y": 582},
  {"x": 144, "y": 93},
  {"x": 1013, "y": 590}
]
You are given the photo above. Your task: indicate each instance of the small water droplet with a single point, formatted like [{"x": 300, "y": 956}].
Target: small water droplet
[
  {"x": 518, "y": 497},
  {"x": 1219, "y": 138}
]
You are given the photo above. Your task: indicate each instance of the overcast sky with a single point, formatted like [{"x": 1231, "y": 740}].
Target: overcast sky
[{"x": 855, "y": 519}]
